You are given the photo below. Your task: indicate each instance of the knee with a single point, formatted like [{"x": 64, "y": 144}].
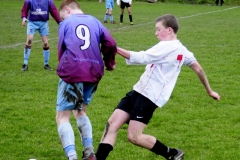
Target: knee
[
  {"x": 133, "y": 137},
  {"x": 58, "y": 119},
  {"x": 111, "y": 126},
  {"x": 45, "y": 45},
  {"x": 62, "y": 118},
  {"x": 79, "y": 113},
  {"x": 29, "y": 42}
]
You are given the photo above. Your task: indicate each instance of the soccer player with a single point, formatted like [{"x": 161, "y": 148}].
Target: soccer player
[
  {"x": 217, "y": 1},
  {"x": 36, "y": 13},
  {"x": 163, "y": 65},
  {"x": 82, "y": 39},
  {"x": 127, "y": 4},
  {"x": 109, "y": 7}
]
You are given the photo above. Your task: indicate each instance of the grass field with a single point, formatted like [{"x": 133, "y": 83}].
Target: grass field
[{"x": 203, "y": 128}]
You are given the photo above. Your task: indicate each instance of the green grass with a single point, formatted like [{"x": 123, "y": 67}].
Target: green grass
[{"x": 203, "y": 128}]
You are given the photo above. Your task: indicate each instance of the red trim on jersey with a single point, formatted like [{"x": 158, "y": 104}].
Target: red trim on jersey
[{"x": 179, "y": 57}]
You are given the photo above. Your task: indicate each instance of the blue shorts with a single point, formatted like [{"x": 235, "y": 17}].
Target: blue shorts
[
  {"x": 72, "y": 96},
  {"x": 109, "y": 4},
  {"x": 41, "y": 26}
]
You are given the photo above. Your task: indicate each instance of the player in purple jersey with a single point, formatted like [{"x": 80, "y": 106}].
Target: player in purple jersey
[
  {"x": 82, "y": 39},
  {"x": 36, "y": 13}
]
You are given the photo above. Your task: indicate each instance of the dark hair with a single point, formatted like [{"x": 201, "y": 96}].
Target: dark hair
[
  {"x": 71, "y": 3},
  {"x": 169, "y": 20}
]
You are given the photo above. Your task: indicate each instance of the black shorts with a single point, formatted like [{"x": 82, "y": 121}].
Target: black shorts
[
  {"x": 123, "y": 5},
  {"x": 138, "y": 106}
]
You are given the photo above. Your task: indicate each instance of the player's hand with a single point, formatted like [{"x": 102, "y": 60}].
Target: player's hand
[
  {"x": 214, "y": 95},
  {"x": 24, "y": 22},
  {"x": 100, "y": 1},
  {"x": 110, "y": 69}
]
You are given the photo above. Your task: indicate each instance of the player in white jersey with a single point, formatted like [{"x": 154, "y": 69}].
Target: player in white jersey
[
  {"x": 122, "y": 4},
  {"x": 163, "y": 64}
]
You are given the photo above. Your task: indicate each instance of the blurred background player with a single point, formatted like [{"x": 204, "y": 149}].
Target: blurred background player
[
  {"x": 36, "y": 13},
  {"x": 122, "y": 5},
  {"x": 81, "y": 40},
  {"x": 109, "y": 7},
  {"x": 217, "y": 2}
]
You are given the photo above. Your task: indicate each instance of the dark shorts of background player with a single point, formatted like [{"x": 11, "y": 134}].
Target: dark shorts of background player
[
  {"x": 123, "y": 5},
  {"x": 139, "y": 107}
]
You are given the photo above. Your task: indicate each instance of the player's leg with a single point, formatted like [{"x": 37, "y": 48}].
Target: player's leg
[
  {"x": 106, "y": 16},
  {"x": 85, "y": 131},
  {"x": 65, "y": 131},
  {"x": 110, "y": 12},
  {"x": 122, "y": 6},
  {"x": 83, "y": 122},
  {"x": 44, "y": 32},
  {"x": 140, "y": 117},
  {"x": 217, "y": 1},
  {"x": 120, "y": 116},
  {"x": 111, "y": 16},
  {"x": 130, "y": 14},
  {"x": 115, "y": 122},
  {"x": 136, "y": 136},
  {"x": 221, "y": 1},
  {"x": 108, "y": 6},
  {"x": 31, "y": 30}
]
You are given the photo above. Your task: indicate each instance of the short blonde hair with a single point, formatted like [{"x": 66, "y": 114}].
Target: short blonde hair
[{"x": 71, "y": 3}]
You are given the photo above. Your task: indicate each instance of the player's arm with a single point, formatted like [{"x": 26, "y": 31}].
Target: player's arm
[
  {"x": 24, "y": 12},
  {"x": 61, "y": 45},
  {"x": 124, "y": 53},
  {"x": 108, "y": 49},
  {"x": 196, "y": 67},
  {"x": 54, "y": 12}
]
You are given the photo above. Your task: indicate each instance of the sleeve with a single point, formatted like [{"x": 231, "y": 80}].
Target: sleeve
[
  {"x": 152, "y": 55},
  {"x": 54, "y": 12},
  {"x": 108, "y": 49},
  {"x": 189, "y": 58},
  {"x": 25, "y": 9},
  {"x": 130, "y": 1},
  {"x": 61, "y": 45}
]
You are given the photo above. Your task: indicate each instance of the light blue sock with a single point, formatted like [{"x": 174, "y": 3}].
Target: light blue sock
[
  {"x": 46, "y": 56},
  {"x": 67, "y": 138},
  {"x": 85, "y": 129},
  {"x": 26, "y": 55},
  {"x": 105, "y": 17},
  {"x": 111, "y": 17}
]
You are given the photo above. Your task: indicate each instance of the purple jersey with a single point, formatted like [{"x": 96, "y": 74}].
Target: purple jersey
[
  {"x": 38, "y": 10},
  {"x": 81, "y": 39}
]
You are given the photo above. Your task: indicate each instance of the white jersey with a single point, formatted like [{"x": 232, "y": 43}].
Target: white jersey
[
  {"x": 125, "y": 1},
  {"x": 164, "y": 62}
]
